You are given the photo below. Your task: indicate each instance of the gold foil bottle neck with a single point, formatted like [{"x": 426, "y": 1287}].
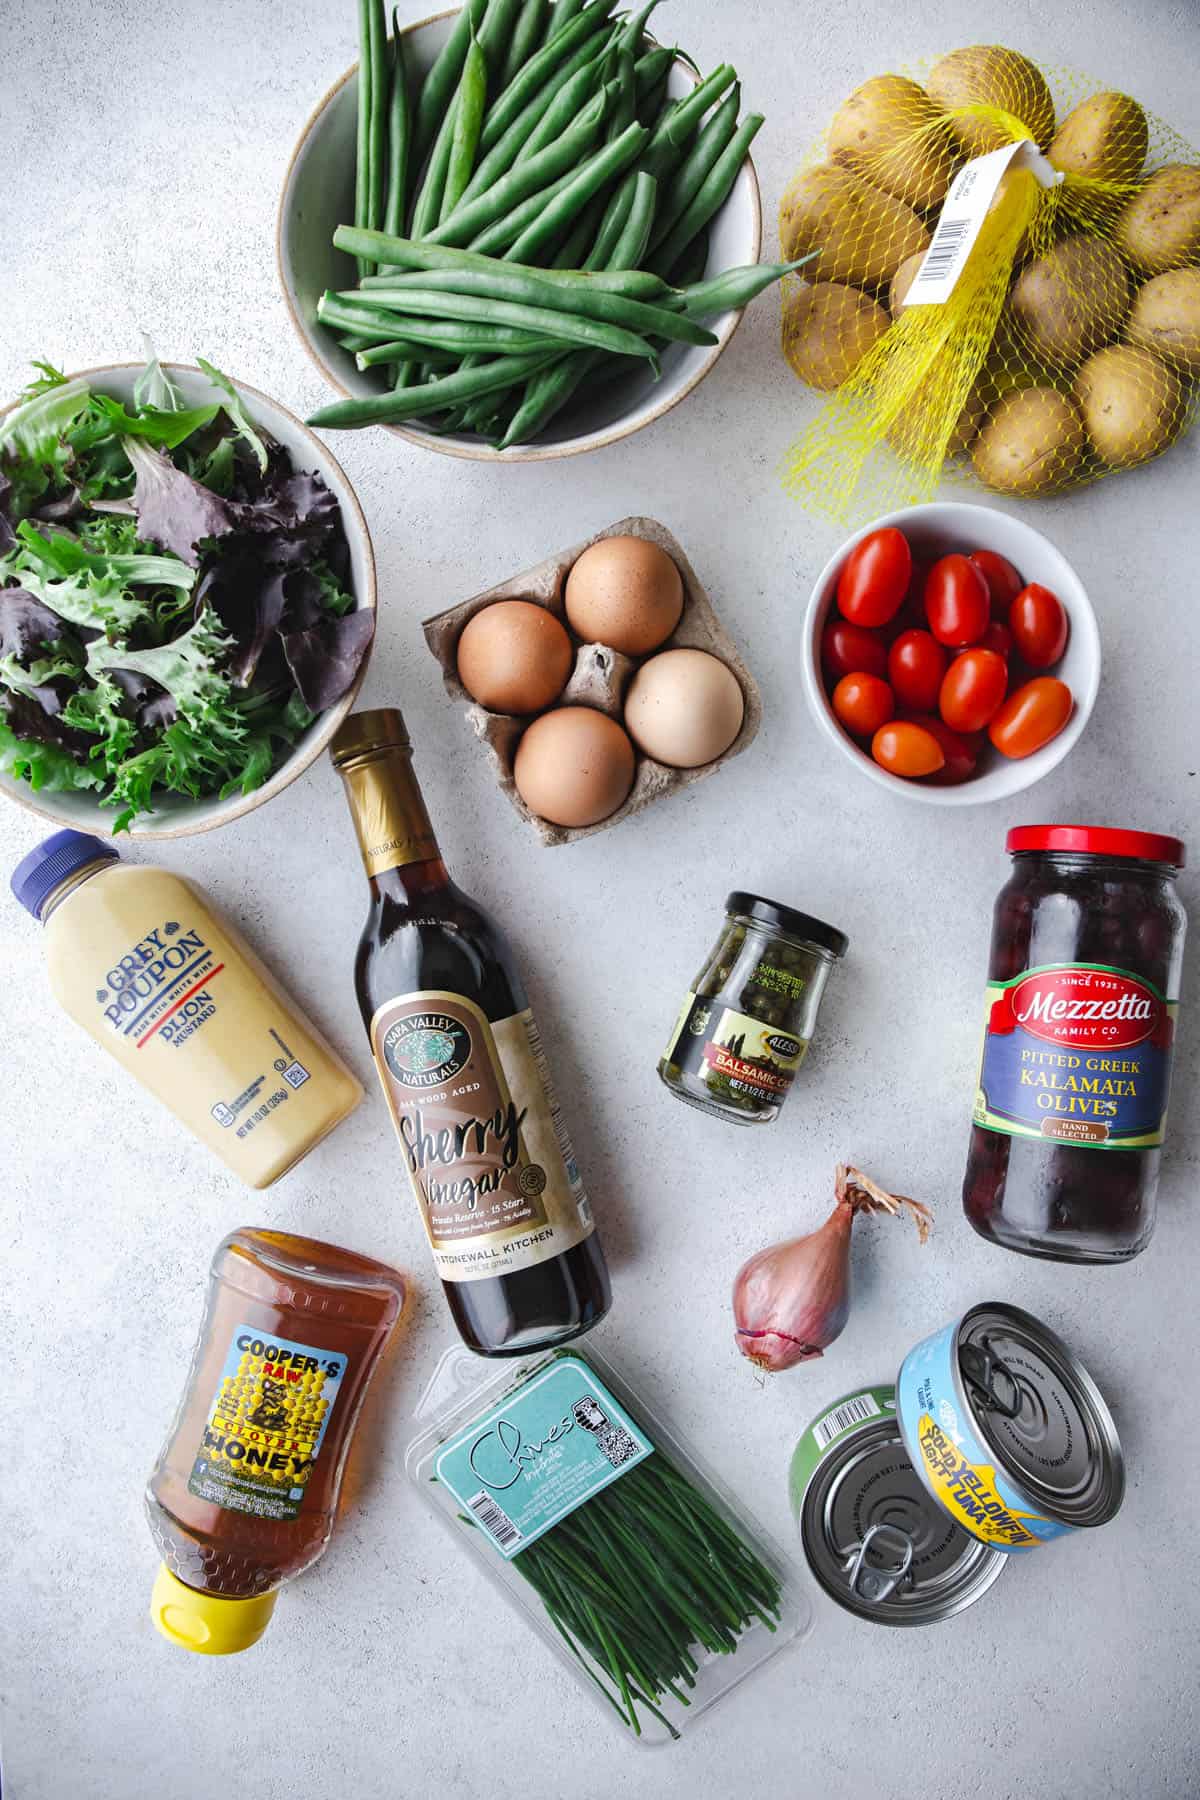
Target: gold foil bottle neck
[
  {"x": 365, "y": 733},
  {"x": 372, "y": 753}
]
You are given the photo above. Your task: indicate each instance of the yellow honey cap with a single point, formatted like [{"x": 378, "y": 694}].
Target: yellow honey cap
[{"x": 209, "y": 1624}]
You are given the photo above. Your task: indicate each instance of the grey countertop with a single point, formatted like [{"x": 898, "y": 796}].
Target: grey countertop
[{"x": 143, "y": 150}]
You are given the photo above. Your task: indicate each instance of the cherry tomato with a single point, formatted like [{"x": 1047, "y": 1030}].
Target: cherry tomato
[
  {"x": 999, "y": 638},
  {"x": 973, "y": 688},
  {"x": 1038, "y": 620},
  {"x": 903, "y": 748},
  {"x": 956, "y": 602},
  {"x": 916, "y": 664},
  {"x": 1003, "y": 582},
  {"x": 847, "y": 648},
  {"x": 960, "y": 751},
  {"x": 863, "y": 703},
  {"x": 1032, "y": 716},
  {"x": 874, "y": 577}
]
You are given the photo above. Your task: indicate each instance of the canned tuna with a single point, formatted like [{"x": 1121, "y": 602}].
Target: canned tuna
[
  {"x": 874, "y": 1539},
  {"x": 1008, "y": 1431}
]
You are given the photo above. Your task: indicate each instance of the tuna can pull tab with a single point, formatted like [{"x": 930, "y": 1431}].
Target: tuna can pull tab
[
  {"x": 980, "y": 1366},
  {"x": 877, "y": 1585}
]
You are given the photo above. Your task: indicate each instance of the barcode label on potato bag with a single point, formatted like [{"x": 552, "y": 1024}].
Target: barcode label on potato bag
[{"x": 963, "y": 212}]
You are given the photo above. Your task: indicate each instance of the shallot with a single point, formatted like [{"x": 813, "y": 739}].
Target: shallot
[{"x": 790, "y": 1302}]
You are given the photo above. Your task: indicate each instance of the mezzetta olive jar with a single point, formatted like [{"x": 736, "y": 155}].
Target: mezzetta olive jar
[
  {"x": 745, "y": 1025},
  {"x": 1079, "y": 1019}
]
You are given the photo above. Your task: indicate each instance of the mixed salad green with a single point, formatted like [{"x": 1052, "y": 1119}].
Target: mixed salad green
[{"x": 175, "y": 607}]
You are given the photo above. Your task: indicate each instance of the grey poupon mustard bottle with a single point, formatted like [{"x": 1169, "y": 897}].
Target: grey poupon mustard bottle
[
  {"x": 138, "y": 957},
  {"x": 464, "y": 1074}
]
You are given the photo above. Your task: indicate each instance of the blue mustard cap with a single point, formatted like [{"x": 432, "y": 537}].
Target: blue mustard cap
[{"x": 37, "y": 875}]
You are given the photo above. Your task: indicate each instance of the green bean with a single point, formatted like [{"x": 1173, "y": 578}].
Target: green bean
[
  {"x": 495, "y": 35},
  {"x": 428, "y": 205},
  {"x": 399, "y": 136},
  {"x": 692, "y": 108},
  {"x": 354, "y": 341},
  {"x": 404, "y": 352},
  {"x": 447, "y": 341},
  {"x": 566, "y": 102},
  {"x": 543, "y": 63},
  {"x": 363, "y": 139},
  {"x": 571, "y": 252},
  {"x": 574, "y": 327},
  {"x": 548, "y": 392},
  {"x": 631, "y": 33},
  {"x": 735, "y": 287},
  {"x": 502, "y": 155},
  {"x": 624, "y": 109},
  {"x": 712, "y": 194},
  {"x": 442, "y": 79},
  {"x": 407, "y": 253},
  {"x": 530, "y": 29},
  {"x": 612, "y": 222},
  {"x": 631, "y": 245},
  {"x": 560, "y": 18},
  {"x": 589, "y": 298},
  {"x": 433, "y": 396},
  {"x": 690, "y": 177},
  {"x": 650, "y": 69},
  {"x": 592, "y": 176},
  {"x": 377, "y": 136},
  {"x": 468, "y": 119},
  {"x": 689, "y": 270},
  {"x": 498, "y": 239},
  {"x": 520, "y": 182}
]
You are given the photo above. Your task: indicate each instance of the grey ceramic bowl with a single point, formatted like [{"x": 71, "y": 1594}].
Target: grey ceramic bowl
[
  {"x": 318, "y": 195},
  {"x": 176, "y": 816}
]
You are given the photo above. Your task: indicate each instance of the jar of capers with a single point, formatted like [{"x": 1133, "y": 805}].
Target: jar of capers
[{"x": 743, "y": 1029}]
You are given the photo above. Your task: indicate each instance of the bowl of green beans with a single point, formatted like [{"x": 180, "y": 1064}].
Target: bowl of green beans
[{"x": 521, "y": 230}]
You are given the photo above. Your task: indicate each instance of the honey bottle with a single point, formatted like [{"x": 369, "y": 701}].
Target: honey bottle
[{"x": 244, "y": 1495}]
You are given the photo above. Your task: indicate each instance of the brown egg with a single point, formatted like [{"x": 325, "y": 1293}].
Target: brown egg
[
  {"x": 684, "y": 708},
  {"x": 625, "y": 592},
  {"x": 514, "y": 657},
  {"x": 574, "y": 766}
]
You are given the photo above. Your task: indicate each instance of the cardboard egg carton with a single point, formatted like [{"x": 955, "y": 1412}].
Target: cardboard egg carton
[{"x": 600, "y": 677}]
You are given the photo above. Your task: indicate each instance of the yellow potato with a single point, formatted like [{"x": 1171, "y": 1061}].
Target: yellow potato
[
  {"x": 1031, "y": 443},
  {"x": 1105, "y": 137},
  {"x": 902, "y": 280},
  {"x": 1071, "y": 300},
  {"x": 827, "y": 330},
  {"x": 1166, "y": 318},
  {"x": 990, "y": 75},
  {"x": 1133, "y": 404},
  {"x": 876, "y": 132},
  {"x": 862, "y": 233},
  {"x": 1160, "y": 227}
]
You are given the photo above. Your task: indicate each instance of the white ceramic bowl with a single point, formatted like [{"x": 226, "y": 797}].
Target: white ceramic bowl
[
  {"x": 177, "y": 816},
  {"x": 937, "y": 529},
  {"x": 318, "y": 195}
]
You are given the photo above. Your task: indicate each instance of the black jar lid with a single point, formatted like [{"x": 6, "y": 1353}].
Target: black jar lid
[{"x": 788, "y": 921}]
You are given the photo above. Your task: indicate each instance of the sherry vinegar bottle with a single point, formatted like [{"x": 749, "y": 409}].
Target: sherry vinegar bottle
[{"x": 464, "y": 1074}]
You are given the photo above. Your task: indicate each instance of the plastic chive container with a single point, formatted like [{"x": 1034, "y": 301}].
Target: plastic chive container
[{"x": 605, "y": 1532}]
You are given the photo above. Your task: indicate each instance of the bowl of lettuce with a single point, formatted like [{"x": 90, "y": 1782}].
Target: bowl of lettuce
[{"x": 187, "y": 598}]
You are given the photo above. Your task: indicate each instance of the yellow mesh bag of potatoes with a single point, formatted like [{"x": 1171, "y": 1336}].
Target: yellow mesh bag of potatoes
[{"x": 1069, "y": 343}]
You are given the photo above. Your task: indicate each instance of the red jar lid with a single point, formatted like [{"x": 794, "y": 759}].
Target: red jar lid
[{"x": 1098, "y": 840}]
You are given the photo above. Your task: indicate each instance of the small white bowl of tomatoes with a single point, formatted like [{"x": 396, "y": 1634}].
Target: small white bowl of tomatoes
[{"x": 951, "y": 653}]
